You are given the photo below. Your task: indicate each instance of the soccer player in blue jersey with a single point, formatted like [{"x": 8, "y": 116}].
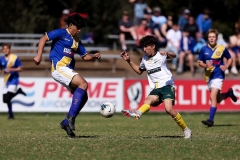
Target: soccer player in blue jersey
[
  {"x": 211, "y": 58},
  {"x": 65, "y": 43},
  {"x": 11, "y": 65}
]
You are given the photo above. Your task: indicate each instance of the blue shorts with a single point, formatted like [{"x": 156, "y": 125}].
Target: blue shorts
[{"x": 236, "y": 49}]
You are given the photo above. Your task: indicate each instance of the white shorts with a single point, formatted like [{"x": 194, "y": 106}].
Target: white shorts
[
  {"x": 64, "y": 76},
  {"x": 10, "y": 88},
  {"x": 215, "y": 83}
]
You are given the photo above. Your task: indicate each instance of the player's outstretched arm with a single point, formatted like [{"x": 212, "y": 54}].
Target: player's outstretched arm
[
  {"x": 170, "y": 55},
  {"x": 135, "y": 67},
  {"x": 89, "y": 57},
  {"x": 41, "y": 45}
]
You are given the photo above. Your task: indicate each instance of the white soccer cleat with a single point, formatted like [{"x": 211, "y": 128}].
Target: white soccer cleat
[
  {"x": 187, "y": 133},
  {"x": 131, "y": 113}
]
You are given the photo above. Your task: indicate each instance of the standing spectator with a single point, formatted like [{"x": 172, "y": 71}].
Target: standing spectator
[
  {"x": 142, "y": 31},
  {"x": 191, "y": 27},
  {"x": 139, "y": 11},
  {"x": 187, "y": 44},
  {"x": 183, "y": 19},
  {"x": 204, "y": 22},
  {"x": 64, "y": 17},
  {"x": 127, "y": 30},
  {"x": 159, "y": 26},
  {"x": 174, "y": 36},
  {"x": 11, "y": 65}
]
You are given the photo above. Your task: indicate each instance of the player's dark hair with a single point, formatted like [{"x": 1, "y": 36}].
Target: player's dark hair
[
  {"x": 6, "y": 44},
  {"x": 77, "y": 20},
  {"x": 212, "y": 31},
  {"x": 148, "y": 41}
]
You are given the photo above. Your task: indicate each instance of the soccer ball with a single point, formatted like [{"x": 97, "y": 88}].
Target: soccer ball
[{"x": 107, "y": 109}]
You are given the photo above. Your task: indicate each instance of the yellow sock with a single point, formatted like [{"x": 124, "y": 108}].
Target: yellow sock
[
  {"x": 178, "y": 119},
  {"x": 144, "y": 108}
]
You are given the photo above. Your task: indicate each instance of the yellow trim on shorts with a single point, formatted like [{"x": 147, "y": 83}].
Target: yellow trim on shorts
[{"x": 63, "y": 63}]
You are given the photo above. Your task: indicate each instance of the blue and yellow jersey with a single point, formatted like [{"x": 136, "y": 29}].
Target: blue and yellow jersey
[
  {"x": 12, "y": 62},
  {"x": 215, "y": 56},
  {"x": 63, "y": 48}
]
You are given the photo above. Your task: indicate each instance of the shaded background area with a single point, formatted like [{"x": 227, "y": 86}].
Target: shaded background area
[{"x": 38, "y": 16}]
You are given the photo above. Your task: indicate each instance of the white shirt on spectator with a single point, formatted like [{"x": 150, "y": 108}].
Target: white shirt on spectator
[
  {"x": 175, "y": 37},
  {"x": 185, "y": 43}
]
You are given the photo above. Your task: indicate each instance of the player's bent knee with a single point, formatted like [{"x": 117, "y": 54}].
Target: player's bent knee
[{"x": 6, "y": 98}]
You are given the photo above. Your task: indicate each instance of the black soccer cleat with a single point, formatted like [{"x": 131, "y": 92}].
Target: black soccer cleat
[
  {"x": 208, "y": 123},
  {"x": 71, "y": 121},
  {"x": 232, "y": 96},
  {"x": 69, "y": 131},
  {"x": 20, "y": 91}
]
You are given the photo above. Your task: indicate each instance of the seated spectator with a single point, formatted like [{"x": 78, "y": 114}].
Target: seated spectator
[
  {"x": 127, "y": 30},
  {"x": 140, "y": 8},
  {"x": 183, "y": 19},
  {"x": 187, "y": 44},
  {"x": 174, "y": 36},
  {"x": 142, "y": 30},
  {"x": 169, "y": 22},
  {"x": 235, "y": 48},
  {"x": 159, "y": 26},
  {"x": 191, "y": 27},
  {"x": 200, "y": 42},
  {"x": 204, "y": 22}
]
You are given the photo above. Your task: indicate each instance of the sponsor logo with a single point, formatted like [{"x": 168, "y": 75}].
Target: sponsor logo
[
  {"x": 67, "y": 39},
  {"x": 134, "y": 94},
  {"x": 154, "y": 70}
]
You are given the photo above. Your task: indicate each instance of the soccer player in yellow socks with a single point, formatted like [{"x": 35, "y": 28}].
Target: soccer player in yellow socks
[{"x": 160, "y": 80}]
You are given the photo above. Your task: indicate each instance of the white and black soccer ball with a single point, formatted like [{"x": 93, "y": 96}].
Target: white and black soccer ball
[{"x": 107, "y": 109}]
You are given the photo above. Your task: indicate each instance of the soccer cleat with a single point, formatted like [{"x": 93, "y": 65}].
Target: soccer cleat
[
  {"x": 232, "y": 96},
  {"x": 67, "y": 128},
  {"x": 208, "y": 123},
  {"x": 131, "y": 113},
  {"x": 71, "y": 121},
  {"x": 20, "y": 91},
  {"x": 187, "y": 133}
]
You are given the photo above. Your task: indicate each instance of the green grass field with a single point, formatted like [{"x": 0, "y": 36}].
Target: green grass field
[{"x": 154, "y": 136}]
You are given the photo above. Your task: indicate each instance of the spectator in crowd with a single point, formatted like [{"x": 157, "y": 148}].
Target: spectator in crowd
[
  {"x": 204, "y": 22},
  {"x": 235, "y": 48},
  {"x": 174, "y": 36},
  {"x": 139, "y": 11},
  {"x": 12, "y": 66},
  {"x": 142, "y": 31},
  {"x": 191, "y": 27},
  {"x": 64, "y": 17},
  {"x": 183, "y": 19},
  {"x": 187, "y": 44},
  {"x": 159, "y": 27},
  {"x": 237, "y": 26},
  {"x": 169, "y": 22},
  {"x": 200, "y": 42},
  {"x": 127, "y": 30}
]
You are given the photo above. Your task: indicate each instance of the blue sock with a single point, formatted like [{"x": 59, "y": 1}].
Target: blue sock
[
  {"x": 212, "y": 113},
  {"x": 77, "y": 99},
  {"x": 10, "y": 112}
]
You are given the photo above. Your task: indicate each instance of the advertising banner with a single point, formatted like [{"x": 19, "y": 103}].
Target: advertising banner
[
  {"x": 191, "y": 95},
  {"x": 46, "y": 95}
]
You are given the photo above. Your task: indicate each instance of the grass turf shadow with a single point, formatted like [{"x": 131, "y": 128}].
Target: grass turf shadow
[{"x": 148, "y": 137}]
